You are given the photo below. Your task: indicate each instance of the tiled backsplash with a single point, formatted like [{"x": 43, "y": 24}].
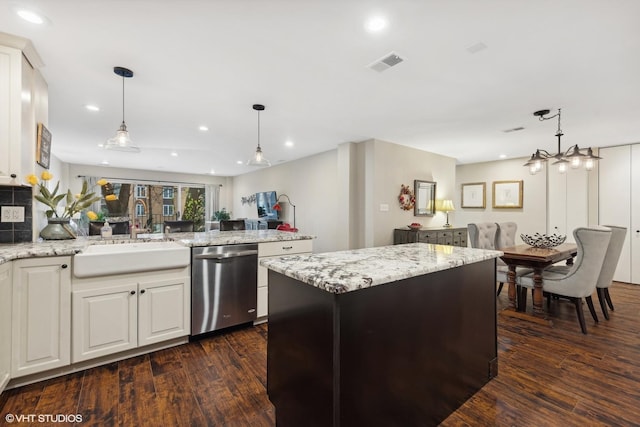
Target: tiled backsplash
[{"x": 16, "y": 232}]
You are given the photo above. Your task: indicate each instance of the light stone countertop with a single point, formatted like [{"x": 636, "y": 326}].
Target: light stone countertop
[
  {"x": 209, "y": 238},
  {"x": 346, "y": 271}
]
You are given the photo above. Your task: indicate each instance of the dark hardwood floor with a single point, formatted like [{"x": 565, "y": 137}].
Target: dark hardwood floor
[{"x": 547, "y": 377}]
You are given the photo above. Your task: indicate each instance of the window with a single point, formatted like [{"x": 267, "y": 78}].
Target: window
[
  {"x": 167, "y": 192},
  {"x": 141, "y": 191},
  {"x": 167, "y": 210},
  {"x": 140, "y": 210}
]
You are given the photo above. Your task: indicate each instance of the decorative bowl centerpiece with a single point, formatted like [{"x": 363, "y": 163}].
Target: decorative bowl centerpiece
[
  {"x": 542, "y": 240},
  {"x": 415, "y": 226}
]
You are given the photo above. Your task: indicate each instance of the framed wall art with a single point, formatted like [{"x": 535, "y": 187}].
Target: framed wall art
[
  {"x": 474, "y": 195},
  {"x": 507, "y": 194},
  {"x": 43, "y": 146}
]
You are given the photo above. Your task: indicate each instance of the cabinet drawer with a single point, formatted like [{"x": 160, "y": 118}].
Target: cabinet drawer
[{"x": 285, "y": 247}]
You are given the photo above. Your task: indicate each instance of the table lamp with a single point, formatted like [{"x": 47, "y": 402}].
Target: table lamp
[{"x": 446, "y": 206}]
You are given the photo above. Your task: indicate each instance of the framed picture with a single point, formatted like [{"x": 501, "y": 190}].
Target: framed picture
[
  {"x": 507, "y": 194},
  {"x": 474, "y": 195},
  {"x": 43, "y": 146}
]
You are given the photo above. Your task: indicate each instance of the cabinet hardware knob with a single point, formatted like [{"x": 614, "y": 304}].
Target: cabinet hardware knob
[
  {"x": 132, "y": 292},
  {"x": 287, "y": 247},
  {"x": 64, "y": 266},
  {"x": 14, "y": 176},
  {"x": 142, "y": 291}
]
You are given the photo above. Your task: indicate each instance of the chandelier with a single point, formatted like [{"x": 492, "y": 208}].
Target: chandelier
[{"x": 574, "y": 156}]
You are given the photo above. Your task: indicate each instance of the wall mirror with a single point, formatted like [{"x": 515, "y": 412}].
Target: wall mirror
[{"x": 425, "y": 193}]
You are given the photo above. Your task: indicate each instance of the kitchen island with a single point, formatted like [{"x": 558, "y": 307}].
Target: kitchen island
[{"x": 391, "y": 336}]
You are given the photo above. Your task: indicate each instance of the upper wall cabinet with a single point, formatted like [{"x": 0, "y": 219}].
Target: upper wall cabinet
[{"x": 22, "y": 105}]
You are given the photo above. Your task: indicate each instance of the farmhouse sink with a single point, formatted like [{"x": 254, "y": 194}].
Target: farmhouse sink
[{"x": 103, "y": 260}]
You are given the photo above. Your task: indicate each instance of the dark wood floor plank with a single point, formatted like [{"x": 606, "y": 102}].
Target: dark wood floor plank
[
  {"x": 98, "y": 401},
  {"x": 176, "y": 403},
  {"x": 548, "y": 376}
]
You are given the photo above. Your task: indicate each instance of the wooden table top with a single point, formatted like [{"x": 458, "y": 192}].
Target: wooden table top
[{"x": 529, "y": 253}]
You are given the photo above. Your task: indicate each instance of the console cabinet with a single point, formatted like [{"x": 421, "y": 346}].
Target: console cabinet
[
  {"x": 439, "y": 236},
  {"x": 41, "y": 315}
]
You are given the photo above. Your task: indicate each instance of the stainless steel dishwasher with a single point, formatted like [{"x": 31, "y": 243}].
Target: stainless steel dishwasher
[{"x": 223, "y": 286}]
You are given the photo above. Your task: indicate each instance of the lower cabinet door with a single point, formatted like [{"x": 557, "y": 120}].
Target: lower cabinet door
[
  {"x": 163, "y": 310},
  {"x": 104, "y": 321},
  {"x": 40, "y": 315}
]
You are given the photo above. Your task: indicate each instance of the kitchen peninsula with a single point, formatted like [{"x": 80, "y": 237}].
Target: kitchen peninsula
[
  {"x": 73, "y": 304},
  {"x": 395, "y": 335}
]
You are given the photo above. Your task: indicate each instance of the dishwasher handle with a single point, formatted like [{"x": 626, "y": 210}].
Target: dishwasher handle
[{"x": 227, "y": 255}]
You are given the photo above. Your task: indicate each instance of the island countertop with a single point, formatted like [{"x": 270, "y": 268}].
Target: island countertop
[
  {"x": 209, "y": 238},
  {"x": 346, "y": 271}
]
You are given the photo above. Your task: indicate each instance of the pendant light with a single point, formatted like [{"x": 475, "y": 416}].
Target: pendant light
[
  {"x": 121, "y": 141},
  {"x": 258, "y": 158}
]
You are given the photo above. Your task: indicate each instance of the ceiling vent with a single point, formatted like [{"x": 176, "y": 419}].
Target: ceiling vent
[
  {"x": 516, "y": 129},
  {"x": 386, "y": 62}
]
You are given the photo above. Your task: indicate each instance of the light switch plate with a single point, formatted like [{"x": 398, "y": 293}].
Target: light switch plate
[{"x": 12, "y": 213}]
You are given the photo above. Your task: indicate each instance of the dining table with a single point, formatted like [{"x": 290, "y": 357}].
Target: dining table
[{"x": 537, "y": 259}]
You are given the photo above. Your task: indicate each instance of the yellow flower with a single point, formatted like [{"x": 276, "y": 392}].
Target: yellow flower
[
  {"x": 78, "y": 195},
  {"x": 92, "y": 215},
  {"x": 110, "y": 197},
  {"x": 32, "y": 179},
  {"x": 46, "y": 176},
  {"x": 102, "y": 182}
]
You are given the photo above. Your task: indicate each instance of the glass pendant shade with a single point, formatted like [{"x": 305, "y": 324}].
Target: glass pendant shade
[{"x": 121, "y": 141}]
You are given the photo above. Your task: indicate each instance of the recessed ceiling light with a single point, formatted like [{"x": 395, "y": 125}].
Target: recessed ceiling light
[
  {"x": 104, "y": 162},
  {"x": 212, "y": 172},
  {"x": 240, "y": 162},
  {"x": 376, "y": 24},
  {"x": 30, "y": 16},
  {"x": 92, "y": 107},
  {"x": 101, "y": 145},
  {"x": 174, "y": 154},
  {"x": 503, "y": 156},
  {"x": 203, "y": 128},
  {"x": 289, "y": 143}
]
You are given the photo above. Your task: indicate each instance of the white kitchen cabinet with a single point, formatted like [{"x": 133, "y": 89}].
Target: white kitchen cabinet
[
  {"x": 619, "y": 203},
  {"x": 22, "y": 105},
  {"x": 164, "y": 310},
  {"x": 104, "y": 321},
  {"x": 119, "y": 313},
  {"x": 567, "y": 198},
  {"x": 270, "y": 250},
  {"x": 5, "y": 324},
  {"x": 41, "y": 315}
]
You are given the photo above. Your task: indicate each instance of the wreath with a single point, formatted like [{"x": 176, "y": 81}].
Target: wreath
[{"x": 406, "y": 198}]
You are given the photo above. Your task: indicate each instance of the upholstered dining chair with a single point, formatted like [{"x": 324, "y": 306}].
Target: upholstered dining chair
[
  {"x": 482, "y": 235},
  {"x": 506, "y": 237},
  {"x": 609, "y": 265},
  {"x": 579, "y": 281}
]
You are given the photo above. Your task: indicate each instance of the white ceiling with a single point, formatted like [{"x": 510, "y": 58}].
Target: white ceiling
[{"x": 205, "y": 62}]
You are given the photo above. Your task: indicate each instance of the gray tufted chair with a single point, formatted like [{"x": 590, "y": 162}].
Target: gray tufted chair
[
  {"x": 482, "y": 235},
  {"x": 609, "y": 265},
  {"x": 579, "y": 281},
  {"x": 506, "y": 237}
]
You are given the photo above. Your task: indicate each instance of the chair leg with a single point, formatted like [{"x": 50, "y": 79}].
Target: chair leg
[
  {"x": 578, "y": 303},
  {"x": 499, "y": 289},
  {"x": 591, "y": 309},
  {"x": 608, "y": 297},
  {"x": 603, "y": 304}
]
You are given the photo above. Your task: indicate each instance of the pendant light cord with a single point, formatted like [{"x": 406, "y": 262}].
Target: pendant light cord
[
  {"x": 258, "y": 128},
  {"x": 123, "y": 99}
]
